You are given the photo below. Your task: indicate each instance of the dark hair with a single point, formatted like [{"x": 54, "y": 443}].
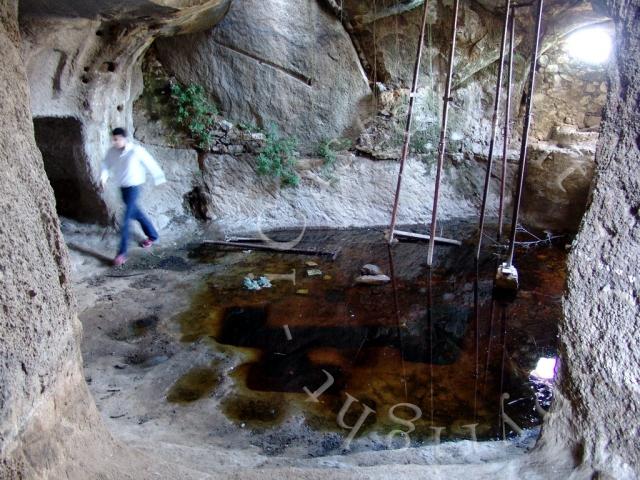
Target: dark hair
[{"x": 119, "y": 131}]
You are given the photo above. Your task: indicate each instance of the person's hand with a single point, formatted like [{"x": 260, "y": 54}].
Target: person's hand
[{"x": 104, "y": 176}]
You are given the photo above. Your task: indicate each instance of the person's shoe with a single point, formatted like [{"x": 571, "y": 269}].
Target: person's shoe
[
  {"x": 146, "y": 243},
  {"x": 119, "y": 260}
]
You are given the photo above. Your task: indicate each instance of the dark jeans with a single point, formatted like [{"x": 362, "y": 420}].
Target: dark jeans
[{"x": 133, "y": 212}]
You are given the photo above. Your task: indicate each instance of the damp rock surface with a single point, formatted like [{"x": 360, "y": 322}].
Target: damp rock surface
[{"x": 211, "y": 363}]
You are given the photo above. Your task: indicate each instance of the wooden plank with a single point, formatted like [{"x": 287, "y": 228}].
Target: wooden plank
[
  {"x": 244, "y": 239},
  {"x": 420, "y": 236},
  {"x": 255, "y": 246}
]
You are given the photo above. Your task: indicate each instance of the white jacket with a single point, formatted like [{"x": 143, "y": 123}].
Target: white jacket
[{"x": 129, "y": 166}]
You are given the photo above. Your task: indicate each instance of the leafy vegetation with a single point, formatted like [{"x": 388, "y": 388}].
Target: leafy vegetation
[
  {"x": 327, "y": 149},
  {"x": 194, "y": 113},
  {"x": 278, "y": 158},
  {"x": 425, "y": 141},
  {"x": 248, "y": 127},
  {"x": 327, "y": 153}
]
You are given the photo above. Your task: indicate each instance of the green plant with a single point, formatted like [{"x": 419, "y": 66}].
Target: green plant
[
  {"x": 327, "y": 153},
  {"x": 327, "y": 150},
  {"x": 194, "y": 113},
  {"x": 248, "y": 127},
  {"x": 278, "y": 158}
]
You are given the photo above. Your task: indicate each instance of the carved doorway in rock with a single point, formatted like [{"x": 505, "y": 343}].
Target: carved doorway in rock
[{"x": 60, "y": 139}]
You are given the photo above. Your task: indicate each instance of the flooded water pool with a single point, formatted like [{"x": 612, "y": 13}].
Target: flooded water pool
[{"x": 429, "y": 356}]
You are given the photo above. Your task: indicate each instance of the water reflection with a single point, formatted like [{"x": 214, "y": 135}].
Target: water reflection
[{"x": 433, "y": 341}]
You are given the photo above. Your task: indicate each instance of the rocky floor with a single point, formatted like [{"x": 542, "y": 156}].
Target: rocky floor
[{"x": 169, "y": 395}]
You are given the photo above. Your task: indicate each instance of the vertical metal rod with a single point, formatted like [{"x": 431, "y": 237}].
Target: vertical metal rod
[
  {"x": 503, "y": 342},
  {"x": 494, "y": 128},
  {"x": 443, "y": 132},
  {"x": 525, "y": 135},
  {"x": 507, "y": 120},
  {"x": 399, "y": 323},
  {"x": 407, "y": 130},
  {"x": 476, "y": 312},
  {"x": 430, "y": 327},
  {"x": 489, "y": 341}
]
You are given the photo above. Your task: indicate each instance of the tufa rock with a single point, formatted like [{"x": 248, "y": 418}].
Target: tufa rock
[
  {"x": 372, "y": 279},
  {"x": 370, "y": 269}
]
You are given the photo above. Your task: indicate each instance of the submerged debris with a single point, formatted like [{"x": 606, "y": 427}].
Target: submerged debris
[
  {"x": 371, "y": 269},
  {"x": 372, "y": 275},
  {"x": 291, "y": 277},
  {"x": 373, "y": 279},
  {"x": 250, "y": 283}
]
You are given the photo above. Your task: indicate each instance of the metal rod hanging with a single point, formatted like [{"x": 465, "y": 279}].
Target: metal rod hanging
[
  {"x": 443, "y": 132},
  {"x": 400, "y": 324},
  {"x": 525, "y": 135},
  {"x": 407, "y": 130},
  {"x": 507, "y": 126},
  {"x": 494, "y": 128}
]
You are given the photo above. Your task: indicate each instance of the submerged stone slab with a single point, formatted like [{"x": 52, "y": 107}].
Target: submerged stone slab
[{"x": 373, "y": 279}]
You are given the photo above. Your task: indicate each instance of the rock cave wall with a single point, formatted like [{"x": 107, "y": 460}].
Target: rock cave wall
[
  {"x": 561, "y": 163},
  {"x": 40, "y": 372},
  {"x": 357, "y": 191},
  {"x": 334, "y": 102},
  {"x": 568, "y": 92},
  {"x": 353, "y": 86},
  {"x": 48, "y": 424},
  {"x": 569, "y": 99},
  {"x": 298, "y": 71},
  {"x": 377, "y": 48},
  {"x": 83, "y": 62},
  {"x": 602, "y": 309}
]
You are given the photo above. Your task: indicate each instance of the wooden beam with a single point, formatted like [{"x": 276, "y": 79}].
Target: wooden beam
[
  {"x": 255, "y": 246},
  {"x": 420, "y": 236}
]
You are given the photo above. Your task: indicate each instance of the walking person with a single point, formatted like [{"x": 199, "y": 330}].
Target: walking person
[{"x": 128, "y": 163}]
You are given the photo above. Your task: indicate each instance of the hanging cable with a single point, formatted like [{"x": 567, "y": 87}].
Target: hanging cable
[
  {"x": 443, "y": 131},
  {"x": 399, "y": 323},
  {"x": 398, "y": 55},
  {"x": 407, "y": 130},
  {"x": 489, "y": 341},
  {"x": 507, "y": 126},
  {"x": 503, "y": 342},
  {"x": 376, "y": 94},
  {"x": 476, "y": 335},
  {"x": 430, "y": 328},
  {"x": 494, "y": 128},
  {"x": 507, "y": 276}
]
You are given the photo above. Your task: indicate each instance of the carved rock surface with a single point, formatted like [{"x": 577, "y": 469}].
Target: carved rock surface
[
  {"x": 361, "y": 195},
  {"x": 83, "y": 65},
  {"x": 289, "y": 63}
]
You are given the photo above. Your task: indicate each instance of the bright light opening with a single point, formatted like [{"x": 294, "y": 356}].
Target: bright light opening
[
  {"x": 545, "y": 369},
  {"x": 590, "y": 45}
]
